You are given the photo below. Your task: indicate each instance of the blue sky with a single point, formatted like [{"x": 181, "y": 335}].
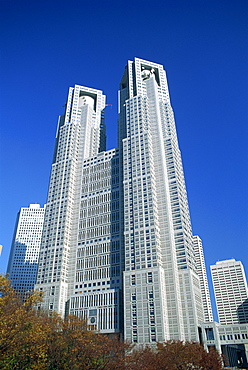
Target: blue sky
[{"x": 48, "y": 46}]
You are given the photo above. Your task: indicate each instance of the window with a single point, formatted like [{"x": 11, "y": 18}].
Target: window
[
  {"x": 133, "y": 280},
  {"x": 149, "y": 277},
  {"x": 209, "y": 333}
]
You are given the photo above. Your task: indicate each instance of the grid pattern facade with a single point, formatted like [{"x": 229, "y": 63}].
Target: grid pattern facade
[
  {"x": 202, "y": 273},
  {"x": 157, "y": 227},
  {"x": 80, "y": 135},
  {"x": 231, "y": 292},
  {"x": 24, "y": 255},
  {"x": 117, "y": 246},
  {"x": 230, "y": 340},
  {"x": 98, "y": 270}
]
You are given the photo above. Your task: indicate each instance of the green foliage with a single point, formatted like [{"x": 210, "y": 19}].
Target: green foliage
[{"x": 34, "y": 340}]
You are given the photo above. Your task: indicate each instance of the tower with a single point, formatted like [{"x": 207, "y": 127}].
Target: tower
[
  {"x": 162, "y": 295},
  {"x": 117, "y": 245},
  {"x": 201, "y": 271},
  {"x": 80, "y": 135},
  {"x": 24, "y": 254},
  {"x": 231, "y": 291}
]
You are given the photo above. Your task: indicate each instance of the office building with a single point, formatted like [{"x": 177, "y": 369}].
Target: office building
[
  {"x": 24, "y": 254},
  {"x": 80, "y": 135},
  {"x": 202, "y": 273},
  {"x": 159, "y": 254},
  {"x": 117, "y": 245},
  {"x": 231, "y": 292},
  {"x": 229, "y": 340},
  {"x": 99, "y": 263}
]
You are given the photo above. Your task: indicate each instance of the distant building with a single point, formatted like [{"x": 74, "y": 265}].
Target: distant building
[
  {"x": 24, "y": 254},
  {"x": 231, "y": 292},
  {"x": 201, "y": 270},
  {"x": 230, "y": 335}
]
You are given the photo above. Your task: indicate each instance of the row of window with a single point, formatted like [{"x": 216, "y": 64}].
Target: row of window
[{"x": 233, "y": 336}]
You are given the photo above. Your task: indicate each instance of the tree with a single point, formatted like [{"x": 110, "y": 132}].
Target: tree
[
  {"x": 211, "y": 360},
  {"x": 174, "y": 355},
  {"x": 23, "y": 331},
  {"x": 31, "y": 339},
  {"x": 180, "y": 355},
  {"x": 75, "y": 347},
  {"x": 140, "y": 359}
]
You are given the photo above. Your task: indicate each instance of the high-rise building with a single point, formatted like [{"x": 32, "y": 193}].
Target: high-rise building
[
  {"x": 80, "y": 136},
  {"x": 202, "y": 273},
  {"x": 157, "y": 227},
  {"x": 97, "y": 278},
  {"x": 24, "y": 254},
  {"x": 117, "y": 245},
  {"x": 231, "y": 291}
]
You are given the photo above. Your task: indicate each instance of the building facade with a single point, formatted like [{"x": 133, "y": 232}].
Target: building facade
[
  {"x": 97, "y": 290},
  {"x": 202, "y": 273},
  {"x": 157, "y": 227},
  {"x": 231, "y": 292},
  {"x": 117, "y": 245},
  {"x": 24, "y": 255},
  {"x": 229, "y": 340},
  {"x": 80, "y": 135}
]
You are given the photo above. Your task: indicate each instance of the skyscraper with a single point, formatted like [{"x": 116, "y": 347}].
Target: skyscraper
[
  {"x": 157, "y": 227},
  {"x": 202, "y": 273},
  {"x": 24, "y": 254},
  {"x": 117, "y": 245},
  {"x": 231, "y": 291},
  {"x": 80, "y": 136}
]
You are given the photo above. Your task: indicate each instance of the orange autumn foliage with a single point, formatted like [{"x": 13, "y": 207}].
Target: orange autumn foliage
[{"x": 37, "y": 340}]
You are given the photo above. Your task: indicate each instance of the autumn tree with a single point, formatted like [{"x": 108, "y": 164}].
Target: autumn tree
[
  {"x": 180, "y": 355},
  {"x": 31, "y": 339},
  {"x": 23, "y": 332},
  {"x": 174, "y": 355},
  {"x": 140, "y": 359},
  {"x": 75, "y": 347}
]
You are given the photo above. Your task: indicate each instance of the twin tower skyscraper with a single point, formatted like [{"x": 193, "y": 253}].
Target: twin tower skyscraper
[{"x": 117, "y": 246}]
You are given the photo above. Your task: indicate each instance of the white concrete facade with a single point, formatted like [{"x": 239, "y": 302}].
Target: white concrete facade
[
  {"x": 117, "y": 246},
  {"x": 231, "y": 291},
  {"x": 78, "y": 137},
  {"x": 229, "y": 340},
  {"x": 157, "y": 227},
  {"x": 202, "y": 273},
  {"x": 24, "y": 255},
  {"x": 98, "y": 270}
]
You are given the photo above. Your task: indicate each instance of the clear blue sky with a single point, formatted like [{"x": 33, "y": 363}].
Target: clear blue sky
[{"x": 47, "y": 46}]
